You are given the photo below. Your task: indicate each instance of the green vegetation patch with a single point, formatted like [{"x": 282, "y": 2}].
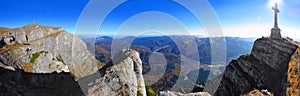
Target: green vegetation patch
[
  {"x": 59, "y": 58},
  {"x": 37, "y": 54},
  {"x": 34, "y": 56},
  {"x": 149, "y": 90},
  {"x": 26, "y": 43},
  {"x": 139, "y": 93},
  {"x": 44, "y": 52}
]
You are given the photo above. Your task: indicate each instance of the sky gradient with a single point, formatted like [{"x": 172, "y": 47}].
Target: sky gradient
[{"x": 239, "y": 18}]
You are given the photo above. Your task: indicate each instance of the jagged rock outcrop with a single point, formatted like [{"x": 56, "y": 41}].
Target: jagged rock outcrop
[
  {"x": 265, "y": 68},
  {"x": 44, "y": 49},
  {"x": 31, "y": 56},
  {"x": 122, "y": 77},
  {"x": 293, "y": 88},
  {"x": 171, "y": 93},
  {"x": 258, "y": 93}
]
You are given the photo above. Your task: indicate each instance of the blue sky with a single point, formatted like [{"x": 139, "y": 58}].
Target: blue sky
[{"x": 239, "y": 18}]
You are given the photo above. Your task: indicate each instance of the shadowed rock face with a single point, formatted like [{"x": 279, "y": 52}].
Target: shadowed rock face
[
  {"x": 20, "y": 83},
  {"x": 265, "y": 68}
]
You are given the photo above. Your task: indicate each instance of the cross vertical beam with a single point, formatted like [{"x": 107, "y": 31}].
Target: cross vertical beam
[{"x": 276, "y": 11}]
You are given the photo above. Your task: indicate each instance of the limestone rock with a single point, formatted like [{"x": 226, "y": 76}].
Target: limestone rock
[
  {"x": 171, "y": 93},
  {"x": 121, "y": 77},
  {"x": 258, "y": 93},
  {"x": 265, "y": 68},
  {"x": 36, "y": 51},
  {"x": 44, "y": 49}
]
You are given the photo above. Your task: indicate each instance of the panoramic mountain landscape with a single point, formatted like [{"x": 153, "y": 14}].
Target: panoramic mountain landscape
[
  {"x": 149, "y": 48},
  {"x": 30, "y": 61}
]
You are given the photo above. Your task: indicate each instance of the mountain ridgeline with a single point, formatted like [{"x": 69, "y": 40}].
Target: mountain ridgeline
[
  {"x": 44, "y": 49},
  {"x": 165, "y": 46},
  {"x": 41, "y": 60}
]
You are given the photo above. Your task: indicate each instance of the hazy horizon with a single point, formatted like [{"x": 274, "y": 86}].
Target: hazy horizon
[{"x": 152, "y": 35}]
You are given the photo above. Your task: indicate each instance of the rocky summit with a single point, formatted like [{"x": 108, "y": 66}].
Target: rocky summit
[
  {"x": 46, "y": 59},
  {"x": 122, "y": 77},
  {"x": 44, "y": 49},
  {"x": 266, "y": 68}
]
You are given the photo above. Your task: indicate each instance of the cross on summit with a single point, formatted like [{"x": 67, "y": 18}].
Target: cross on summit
[{"x": 275, "y": 32}]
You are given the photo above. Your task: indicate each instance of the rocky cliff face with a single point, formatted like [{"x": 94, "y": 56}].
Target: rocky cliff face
[
  {"x": 265, "y": 68},
  {"x": 258, "y": 93},
  {"x": 44, "y": 49},
  {"x": 171, "y": 93},
  {"x": 45, "y": 59},
  {"x": 293, "y": 88},
  {"x": 122, "y": 77}
]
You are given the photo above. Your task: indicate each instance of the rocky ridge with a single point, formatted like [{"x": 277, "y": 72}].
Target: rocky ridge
[
  {"x": 37, "y": 58},
  {"x": 123, "y": 77},
  {"x": 171, "y": 93},
  {"x": 265, "y": 68},
  {"x": 44, "y": 49}
]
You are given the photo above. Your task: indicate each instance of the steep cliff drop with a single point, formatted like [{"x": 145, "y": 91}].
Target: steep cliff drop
[
  {"x": 44, "y": 49},
  {"x": 293, "y": 88},
  {"x": 37, "y": 58},
  {"x": 266, "y": 68},
  {"x": 122, "y": 77}
]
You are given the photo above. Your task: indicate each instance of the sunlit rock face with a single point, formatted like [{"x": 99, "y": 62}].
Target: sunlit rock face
[
  {"x": 293, "y": 87},
  {"x": 258, "y": 93},
  {"x": 122, "y": 76},
  {"x": 38, "y": 58},
  {"x": 171, "y": 93},
  {"x": 265, "y": 68},
  {"x": 44, "y": 49}
]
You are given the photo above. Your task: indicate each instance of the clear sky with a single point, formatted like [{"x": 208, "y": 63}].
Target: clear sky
[{"x": 239, "y": 18}]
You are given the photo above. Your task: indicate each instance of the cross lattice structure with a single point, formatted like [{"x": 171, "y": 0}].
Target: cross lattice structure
[{"x": 275, "y": 32}]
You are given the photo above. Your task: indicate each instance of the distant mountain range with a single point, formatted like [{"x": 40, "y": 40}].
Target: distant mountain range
[{"x": 166, "y": 46}]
